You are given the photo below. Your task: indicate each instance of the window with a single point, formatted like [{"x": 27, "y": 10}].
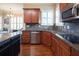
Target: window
[
  {"x": 16, "y": 22},
  {"x": 0, "y": 23},
  {"x": 58, "y": 16},
  {"x": 47, "y": 17},
  {"x": 19, "y": 23}
]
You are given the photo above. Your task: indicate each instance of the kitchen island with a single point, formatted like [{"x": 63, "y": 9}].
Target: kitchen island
[{"x": 10, "y": 44}]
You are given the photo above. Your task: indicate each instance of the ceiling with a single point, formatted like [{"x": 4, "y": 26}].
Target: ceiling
[
  {"x": 14, "y": 8},
  {"x": 17, "y": 8}
]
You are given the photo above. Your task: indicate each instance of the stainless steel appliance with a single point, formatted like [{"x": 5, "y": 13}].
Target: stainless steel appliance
[
  {"x": 72, "y": 13},
  {"x": 35, "y": 38}
]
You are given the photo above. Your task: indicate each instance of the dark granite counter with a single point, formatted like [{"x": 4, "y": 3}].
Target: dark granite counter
[
  {"x": 6, "y": 36},
  {"x": 10, "y": 43}
]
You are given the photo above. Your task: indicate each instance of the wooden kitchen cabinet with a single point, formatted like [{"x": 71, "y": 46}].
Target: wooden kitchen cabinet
[
  {"x": 27, "y": 14},
  {"x": 31, "y": 15},
  {"x": 25, "y": 37},
  {"x": 64, "y": 48},
  {"x": 65, "y": 6},
  {"x": 35, "y": 16},
  {"x": 64, "y": 52},
  {"x": 59, "y": 47},
  {"x": 55, "y": 46},
  {"x": 74, "y": 52},
  {"x": 46, "y": 38}
]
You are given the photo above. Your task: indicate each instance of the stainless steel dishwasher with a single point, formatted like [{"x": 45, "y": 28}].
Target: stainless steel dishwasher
[{"x": 35, "y": 37}]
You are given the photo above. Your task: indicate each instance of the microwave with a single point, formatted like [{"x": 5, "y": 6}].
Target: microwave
[{"x": 71, "y": 13}]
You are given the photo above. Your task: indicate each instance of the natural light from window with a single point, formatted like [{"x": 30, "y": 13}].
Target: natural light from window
[
  {"x": 58, "y": 16},
  {"x": 47, "y": 17},
  {"x": 16, "y": 23},
  {"x": 0, "y": 23}
]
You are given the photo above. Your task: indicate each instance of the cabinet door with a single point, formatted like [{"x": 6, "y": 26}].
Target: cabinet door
[
  {"x": 63, "y": 6},
  {"x": 64, "y": 52},
  {"x": 55, "y": 47},
  {"x": 59, "y": 47},
  {"x": 64, "y": 48},
  {"x": 25, "y": 37},
  {"x": 35, "y": 16},
  {"x": 46, "y": 38},
  {"x": 74, "y": 52},
  {"x": 43, "y": 38},
  {"x": 27, "y": 16}
]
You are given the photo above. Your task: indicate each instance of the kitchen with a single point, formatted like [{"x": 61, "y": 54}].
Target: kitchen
[{"x": 39, "y": 29}]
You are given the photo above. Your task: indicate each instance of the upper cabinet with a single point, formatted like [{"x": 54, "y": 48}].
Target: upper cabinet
[
  {"x": 31, "y": 16},
  {"x": 65, "y": 6},
  {"x": 27, "y": 16},
  {"x": 62, "y": 6}
]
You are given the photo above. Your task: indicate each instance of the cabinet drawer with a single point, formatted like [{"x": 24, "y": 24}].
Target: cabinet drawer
[
  {"x": 25, "y": 40},
  {"x": 25, "y": 36}
]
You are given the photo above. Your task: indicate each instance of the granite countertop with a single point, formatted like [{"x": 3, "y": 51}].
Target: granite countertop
[
  {"x": 75, "y": 46},
  {"x": 6, "y": 36}
]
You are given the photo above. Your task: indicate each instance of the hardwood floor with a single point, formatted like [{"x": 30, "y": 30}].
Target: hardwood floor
[{"x": 35, "y": 50}]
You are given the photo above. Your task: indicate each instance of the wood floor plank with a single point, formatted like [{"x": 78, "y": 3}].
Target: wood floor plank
[{"x": 35, "y": 50}]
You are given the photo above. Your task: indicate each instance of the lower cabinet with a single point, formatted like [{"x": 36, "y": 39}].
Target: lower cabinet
[
  {"x": 25, "y": 37},
  {"x": 15, "y": 48},
  {"x": 30, "y": 37},
  {"x": 46, "y": 38},
  {"x": 63, "y": 52},
  {"x": 11, "y": 47},
  {"x": 74, "y": 52},
  {"x": 57, "y": 45}
]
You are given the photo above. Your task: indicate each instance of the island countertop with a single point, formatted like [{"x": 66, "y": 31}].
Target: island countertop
[{"x": 7, "y": 36}]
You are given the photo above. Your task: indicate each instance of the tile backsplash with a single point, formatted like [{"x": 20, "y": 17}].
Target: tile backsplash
[{"x": 72, "y": 28}]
